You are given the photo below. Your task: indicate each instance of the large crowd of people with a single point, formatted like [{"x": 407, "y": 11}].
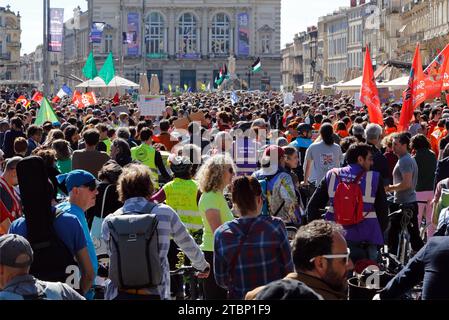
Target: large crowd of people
[{"x": 220, "y": 194}]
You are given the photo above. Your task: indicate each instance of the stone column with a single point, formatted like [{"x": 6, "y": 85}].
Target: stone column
[
  {"x": 171, "y": 32},
  {"x": 204, "y": 32}
]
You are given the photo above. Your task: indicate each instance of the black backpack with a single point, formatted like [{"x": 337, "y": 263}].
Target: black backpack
[{"x": 51, "y": 255}]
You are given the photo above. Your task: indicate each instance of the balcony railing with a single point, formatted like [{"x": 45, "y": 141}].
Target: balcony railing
[{"x": 5, "y": 56}]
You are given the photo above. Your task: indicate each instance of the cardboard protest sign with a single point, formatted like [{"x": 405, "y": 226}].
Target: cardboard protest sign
[{"x": 184, "y": 122}]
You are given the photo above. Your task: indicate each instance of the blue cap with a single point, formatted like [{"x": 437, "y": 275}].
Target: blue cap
[{"x": 76, "y": 178}]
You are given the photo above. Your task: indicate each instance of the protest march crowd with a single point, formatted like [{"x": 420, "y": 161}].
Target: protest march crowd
[{"x": 252, "y": 198}]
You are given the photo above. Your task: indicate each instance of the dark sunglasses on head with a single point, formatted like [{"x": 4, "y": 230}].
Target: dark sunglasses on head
[{"x": 231, "y": 171}]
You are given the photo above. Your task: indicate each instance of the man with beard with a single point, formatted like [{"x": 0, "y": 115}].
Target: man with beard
[{"x": 321, "y": 259}]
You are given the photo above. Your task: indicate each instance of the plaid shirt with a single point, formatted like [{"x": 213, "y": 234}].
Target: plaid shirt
[{"x": 264, "y": 257}]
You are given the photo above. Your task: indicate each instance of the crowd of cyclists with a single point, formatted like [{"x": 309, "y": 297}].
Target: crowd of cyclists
[{"x": 258, "y": 200}]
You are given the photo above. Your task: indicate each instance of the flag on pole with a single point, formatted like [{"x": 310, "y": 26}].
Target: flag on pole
[
  {"x": 107, "y": 72},
  {"x": 208, "y": 87},
  {"x": 23, "y": 101},
  {"x": 37, "y": 97},
  {"x": 415, "y": 93},
  {"x": 434, "y": 74},
  {"x": 45, "y": 113},
  {"x": 257, "y": 66},
  {"x": 169, "y": 87},
  {"x": 90, "y": 68},
  {"x": 203, "y": 87},
  {"x": 116, "y": 99},
  {"x": 64, "y": 91},
  {"x": 185, "y": 87},
  {"x": 76, "y": 100},
  {"x": 368, "y": 91}
]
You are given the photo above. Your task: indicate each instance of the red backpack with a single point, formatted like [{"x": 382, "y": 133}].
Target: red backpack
[{"x": 348, "y": 201}]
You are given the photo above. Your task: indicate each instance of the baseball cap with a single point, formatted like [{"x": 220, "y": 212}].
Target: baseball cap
[
  {"x": 273, "y": 150},
  {"x": 77, "y": 178},
  {"x": 15, "y": 251}
]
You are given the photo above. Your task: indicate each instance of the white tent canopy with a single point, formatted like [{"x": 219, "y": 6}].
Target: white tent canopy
[
  {"x": 117, "y": 81},
  {"x": 398, "y": 83},
  {"x": 353, "y": 84}
]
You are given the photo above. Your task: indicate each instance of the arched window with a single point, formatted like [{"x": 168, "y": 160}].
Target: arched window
[
  {"x": 187, "y": 34},
  {"x": 155, "y": 33},
  {"x": 220, "y": 38}
]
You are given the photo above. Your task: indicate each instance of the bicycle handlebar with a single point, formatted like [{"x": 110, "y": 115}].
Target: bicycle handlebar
[{"x": 184, "y": 270}]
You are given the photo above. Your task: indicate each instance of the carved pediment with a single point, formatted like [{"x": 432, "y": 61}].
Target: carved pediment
[{"x": 266, "y": 29}]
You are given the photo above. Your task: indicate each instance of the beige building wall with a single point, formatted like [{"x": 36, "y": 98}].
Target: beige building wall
[{"x": 10, "y": 44}]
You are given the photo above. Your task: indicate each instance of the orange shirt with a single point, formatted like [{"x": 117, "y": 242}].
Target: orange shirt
[
  {"x": 342, "y": 133},
  {"x": 166, "y": 139},
  {"x": 390, "y": 130},
  {"x": 316, "y": 126}
]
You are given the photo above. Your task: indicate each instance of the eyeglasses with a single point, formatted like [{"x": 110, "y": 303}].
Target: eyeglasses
[{"x": 334, "y": 256}]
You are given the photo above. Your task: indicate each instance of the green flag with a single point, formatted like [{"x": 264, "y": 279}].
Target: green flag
[
  {"x": 90, "y": 68},
  {"x": 169, "y": 87},
  {"x": 185, "y": 87},
  {"x": 107, "y": 72},
  {"x": 45, "y": 113}
]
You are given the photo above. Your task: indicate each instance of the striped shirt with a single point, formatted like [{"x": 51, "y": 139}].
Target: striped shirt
[
  {"x": 265, "y": 255},
  {"x": 169, "y": 226}
]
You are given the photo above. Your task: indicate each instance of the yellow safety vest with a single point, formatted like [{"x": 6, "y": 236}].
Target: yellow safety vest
[
  {"x": 108, "y": 144},
  {"x": 181, "y": 195},
  {"x": 146, "y": 155}
]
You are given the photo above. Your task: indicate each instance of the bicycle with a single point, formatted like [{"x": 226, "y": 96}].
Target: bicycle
[
  {"x": 403, "y": 252},
  {"x": 190, "y": 274}
]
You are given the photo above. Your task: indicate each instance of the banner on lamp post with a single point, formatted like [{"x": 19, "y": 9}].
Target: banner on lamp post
[{"x": 55, "y": 29}]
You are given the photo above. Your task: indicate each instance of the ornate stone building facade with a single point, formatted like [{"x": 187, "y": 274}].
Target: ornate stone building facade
[{"x": 182, "y": 41}]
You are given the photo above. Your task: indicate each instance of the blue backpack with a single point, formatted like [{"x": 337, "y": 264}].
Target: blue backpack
[{"x": 267, "y": 185}]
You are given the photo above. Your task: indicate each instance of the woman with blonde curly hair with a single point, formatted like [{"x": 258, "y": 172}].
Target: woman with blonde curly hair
[{"x": 216, "y": 173}]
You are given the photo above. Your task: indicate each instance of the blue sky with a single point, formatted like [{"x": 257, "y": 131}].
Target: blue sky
[{"x": 297, "y": 15}]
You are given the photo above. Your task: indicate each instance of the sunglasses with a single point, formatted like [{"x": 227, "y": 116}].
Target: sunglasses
[{"x": 335, "y": 256}]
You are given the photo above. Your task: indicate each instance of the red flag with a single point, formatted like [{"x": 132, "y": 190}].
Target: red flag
[
  {"x": 116, "y": 99},
  {"x": 368, "y": 92},
  {"x": 76, "y": 100},
  {"x": 434, "y": 74},
  {"x": 23, "y": 100},
  {"x": 37, "y": 97},
  {"x": 89, "y": 99},
  {"x": 415, "y": 93},
  {"x": 55, "y": 99}
]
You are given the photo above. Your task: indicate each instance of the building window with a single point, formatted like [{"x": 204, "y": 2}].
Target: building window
[
  {"x": 221, "y": 31},
  {"x": 265, "y": 41},
  {"x": 8, "y": 38},
  {"x": 155, "y": 33},
  {"x": 107, "y": 43},
  {"x": 187, "y": 34}
]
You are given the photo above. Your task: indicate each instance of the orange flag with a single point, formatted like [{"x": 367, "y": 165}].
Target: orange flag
[
  {"x": 415, "y": 94},
  {"x": 434, "y": 74},
  {"x": 368, "y": 92}
]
